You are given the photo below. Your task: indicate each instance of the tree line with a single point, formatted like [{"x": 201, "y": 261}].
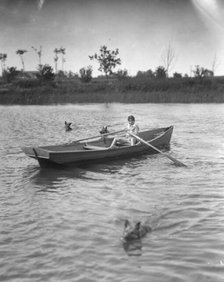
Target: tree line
[{"x": 107, "y": 60}]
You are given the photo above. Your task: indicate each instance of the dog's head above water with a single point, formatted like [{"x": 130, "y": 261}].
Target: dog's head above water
[
  {"x": 68, "y": 126},
  {"x": 133, "y": 232},
  {"x": 104, "y": 130}
]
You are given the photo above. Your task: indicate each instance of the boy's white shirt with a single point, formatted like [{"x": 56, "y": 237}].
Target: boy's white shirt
[{"x": 133, "y": 128}]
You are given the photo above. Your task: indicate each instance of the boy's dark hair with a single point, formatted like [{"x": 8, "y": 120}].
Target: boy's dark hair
[{"x": 131, "y": 118}]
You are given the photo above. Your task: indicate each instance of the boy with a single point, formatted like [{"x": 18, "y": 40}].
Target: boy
[{"x": 131, "y": 128}]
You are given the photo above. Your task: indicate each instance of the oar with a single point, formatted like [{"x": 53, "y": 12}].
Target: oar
[
  {"x": 97, "y": 136},
  {"x": 164, "y": 154}
]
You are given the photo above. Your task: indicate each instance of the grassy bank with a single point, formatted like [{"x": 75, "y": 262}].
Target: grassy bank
[{"x": 126, "y": 90}]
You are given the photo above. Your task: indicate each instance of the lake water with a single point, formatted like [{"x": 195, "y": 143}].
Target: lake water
[{"x": 66, "y": 225}]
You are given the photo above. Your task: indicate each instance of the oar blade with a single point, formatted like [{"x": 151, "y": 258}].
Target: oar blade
[{"x": 175, "y": 161}]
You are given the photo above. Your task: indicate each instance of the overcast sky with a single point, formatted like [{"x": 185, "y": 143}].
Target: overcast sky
[{"x": 140, "y": 29}]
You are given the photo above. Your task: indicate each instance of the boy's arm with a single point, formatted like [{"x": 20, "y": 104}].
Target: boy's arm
[{"x": 136, "y": 129}]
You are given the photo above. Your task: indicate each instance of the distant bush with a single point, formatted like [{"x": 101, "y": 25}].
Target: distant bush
[
  {"x": 10, "y": 74},
  {"x": 46, "y": 73},
  {"x": 202, "y": 72},
  {"x": 147, "y": 74},
  {"x": 71, "y": 75},
  {"x": 121, "y": 74},
  {"x": 160, "y": 72},
  {"x": 86, "y": 74},
  {"x": 177, "y": 75}
]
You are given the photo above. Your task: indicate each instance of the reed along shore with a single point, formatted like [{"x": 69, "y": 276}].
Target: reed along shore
[{"x": 125, "y": 90}]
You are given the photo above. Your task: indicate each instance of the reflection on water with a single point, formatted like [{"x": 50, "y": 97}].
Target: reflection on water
[
  {"x": 66, "y": 225},
  {"x": 35, "y": 173},
  {"x": 50, "y": 176}
]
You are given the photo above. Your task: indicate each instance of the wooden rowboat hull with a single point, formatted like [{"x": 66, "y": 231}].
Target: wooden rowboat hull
[{"x": 99, "y": 150}]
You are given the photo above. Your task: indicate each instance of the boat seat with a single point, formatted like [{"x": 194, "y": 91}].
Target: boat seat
[{"x": 91, "y": 147}]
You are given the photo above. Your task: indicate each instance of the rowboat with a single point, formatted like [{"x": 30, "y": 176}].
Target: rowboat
[{"x": 99, "y": 149}]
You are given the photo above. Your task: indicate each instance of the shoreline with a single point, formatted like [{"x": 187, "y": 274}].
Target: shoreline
[{"x": 129, "y": 90}]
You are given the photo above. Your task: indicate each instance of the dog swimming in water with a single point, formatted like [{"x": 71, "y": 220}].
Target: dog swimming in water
[
  {"x": 68, "y": 126},
  {"x": 104, "y": 130},
  {"x": 135, "y": 232}
]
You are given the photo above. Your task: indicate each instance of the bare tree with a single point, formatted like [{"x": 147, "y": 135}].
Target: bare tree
[
  {"x": 3, "y": 58},
  {"x": 168, "y": 58},
  {"x": 63, "y": 62},
  {"x": 39, "y": 54},
  {"x": 215, "y": 64},
  {"x": 56, "y": 52},
  {"x": 62, "y": 51},
  {"x": 21, "y": 52}
]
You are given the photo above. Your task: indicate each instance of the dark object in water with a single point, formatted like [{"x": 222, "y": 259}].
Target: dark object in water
[
  {"x": 135, "y": 232},
  {"x": 68, "y": 126},
  {"x": 104, "y": 130}
]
